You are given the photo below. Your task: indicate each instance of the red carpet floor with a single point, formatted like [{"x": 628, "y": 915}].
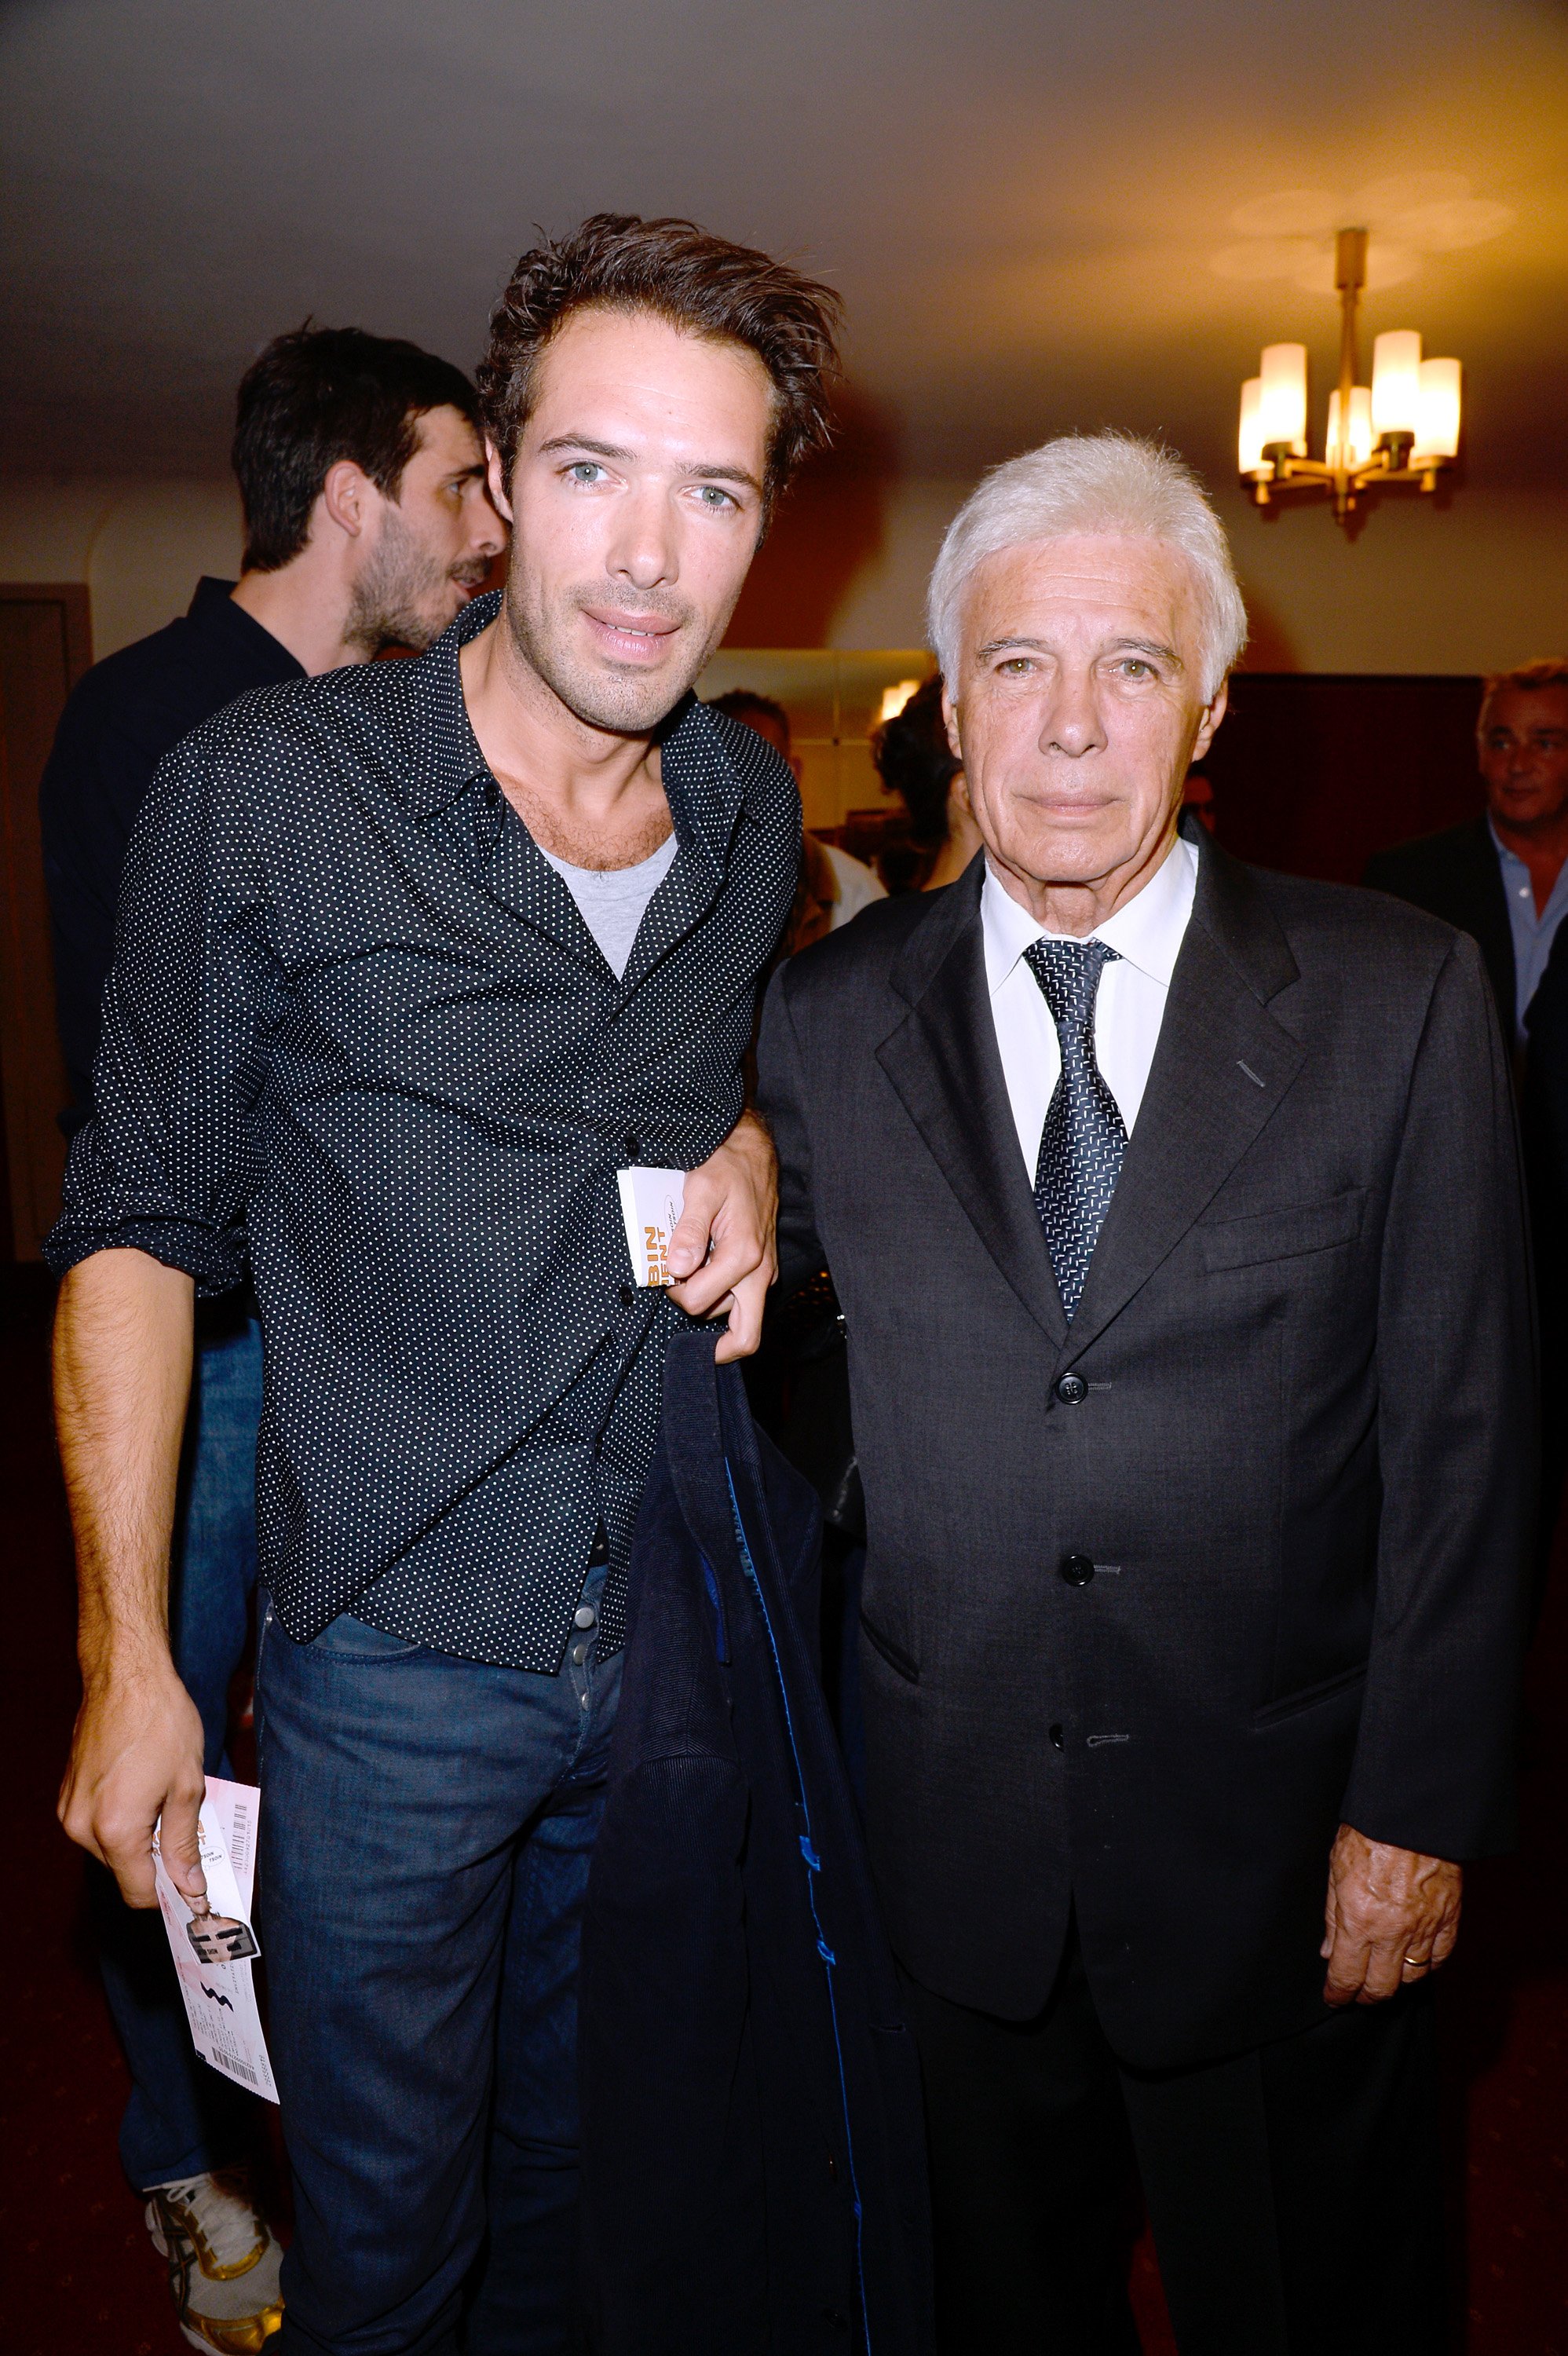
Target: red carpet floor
[{"x": 80, "y": 2274}]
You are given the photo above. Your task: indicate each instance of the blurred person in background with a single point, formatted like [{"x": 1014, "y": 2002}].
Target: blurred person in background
[
  {"x": 1198, "y": 797},
  {"x": 367, "y": 524},
  {"x": 1499, "y": 877},
  {"x": 833, "y": 887},
  {"x": 1502, "y": 878},
  {"x": 915, "y": 761}
]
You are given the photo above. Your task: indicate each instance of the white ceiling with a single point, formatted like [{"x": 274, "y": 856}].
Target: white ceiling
[{"x": 1043, "y": 213}]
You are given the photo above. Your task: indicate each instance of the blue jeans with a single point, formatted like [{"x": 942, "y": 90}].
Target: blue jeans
[
  {"x": 182, "y": 2118},
  {"x": 426, "y": 1829}
]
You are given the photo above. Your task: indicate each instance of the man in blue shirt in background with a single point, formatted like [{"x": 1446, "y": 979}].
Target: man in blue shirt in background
[
  {"x": 1503, "y": 878},
  {"x": 1499, "y": 877}
]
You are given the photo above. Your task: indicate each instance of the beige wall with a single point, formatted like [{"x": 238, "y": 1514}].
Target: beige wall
[
  {"x": 139, "y": 546},
  {"x": 1482, "y": 583}
]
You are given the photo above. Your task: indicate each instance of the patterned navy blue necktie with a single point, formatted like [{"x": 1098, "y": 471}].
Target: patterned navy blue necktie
[{"x": 1084, "y": 1137}]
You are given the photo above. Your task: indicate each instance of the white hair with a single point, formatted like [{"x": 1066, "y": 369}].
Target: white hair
[{"x": 1111, "y": 484}]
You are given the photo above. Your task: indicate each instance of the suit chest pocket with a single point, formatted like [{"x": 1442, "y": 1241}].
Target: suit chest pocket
[{"x": 1295, "y": 1233}]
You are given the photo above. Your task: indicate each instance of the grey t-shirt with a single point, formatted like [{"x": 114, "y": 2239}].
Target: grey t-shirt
[{"x": 612, "y": 899}]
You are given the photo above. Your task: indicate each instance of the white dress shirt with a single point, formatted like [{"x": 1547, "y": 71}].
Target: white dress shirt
[{"x": 1147, "y": 934}]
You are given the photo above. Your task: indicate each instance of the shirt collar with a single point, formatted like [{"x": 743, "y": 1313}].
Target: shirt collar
[
  {"x": 213, "y": 608},
  {"x": 1146, "y": 930}
]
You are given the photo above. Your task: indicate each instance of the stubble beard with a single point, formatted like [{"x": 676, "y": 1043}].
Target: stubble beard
[
  {"x": 626, "y": 702},
  {"x": 402, "y": 596}
]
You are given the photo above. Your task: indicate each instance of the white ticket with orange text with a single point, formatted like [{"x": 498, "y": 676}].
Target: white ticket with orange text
[{"x": 651, "y": 1203}]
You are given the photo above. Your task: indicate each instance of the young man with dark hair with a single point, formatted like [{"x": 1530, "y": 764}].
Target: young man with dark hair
[
  {"x": 449, "y": 943},
  {"x": 368, "y": 523}
]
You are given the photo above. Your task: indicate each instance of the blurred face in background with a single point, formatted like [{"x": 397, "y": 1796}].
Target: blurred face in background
[
  {"x": 1198, "y": 796},
  {"x": 1079, "y": 707},
  {"x": 427, "y": 550},
  {"x": 774, "y": 731},
  {"x": 637, "y": 502},
  {"x": 1522, "y": 741}
]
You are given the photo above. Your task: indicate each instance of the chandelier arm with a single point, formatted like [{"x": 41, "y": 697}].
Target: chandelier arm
[{"x": 1349, "y": 277}]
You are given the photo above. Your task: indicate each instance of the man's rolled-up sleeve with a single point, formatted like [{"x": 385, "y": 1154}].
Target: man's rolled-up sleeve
[
  {"x": 781, "y": 1102},
  {"x": 166, "y": 1163},
  {"x": 1434, "y": 1769}
]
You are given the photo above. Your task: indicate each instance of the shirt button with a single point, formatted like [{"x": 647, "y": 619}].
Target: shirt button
[
  {"x": 1071, "y": 1390},
  {"x": 584, "y": 1616},
  {"x": 578, "y": 1653},
  {"x": 633, "y": 1143},
  {"x": 1076, "y": 1569},
  {"x": 1058, "y": 1739},
  {"x": 628, "y": 1294}
]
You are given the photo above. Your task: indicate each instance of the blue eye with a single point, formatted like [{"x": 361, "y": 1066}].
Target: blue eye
[{"x": 584, "y": 470}]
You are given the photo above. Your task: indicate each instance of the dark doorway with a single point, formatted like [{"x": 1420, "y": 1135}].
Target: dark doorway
[{"x": 45, "y": 647}]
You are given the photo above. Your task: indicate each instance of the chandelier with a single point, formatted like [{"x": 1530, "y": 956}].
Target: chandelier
[{"x": 1402, "y": 428}]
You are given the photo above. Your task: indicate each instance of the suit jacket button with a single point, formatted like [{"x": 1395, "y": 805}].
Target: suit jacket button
[
  {"x": 1076, "y": 1569},
  {"x": 1058, "y": 1739},
  {"x": 628, "y": 1294},
  {"x": 1071, "y": 1390}
]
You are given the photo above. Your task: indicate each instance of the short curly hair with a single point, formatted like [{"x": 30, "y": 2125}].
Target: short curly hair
[{"x": 729, "y": 293}]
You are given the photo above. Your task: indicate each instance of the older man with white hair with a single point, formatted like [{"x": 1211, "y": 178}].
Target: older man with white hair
[{"x": 1174, "y": 1212}]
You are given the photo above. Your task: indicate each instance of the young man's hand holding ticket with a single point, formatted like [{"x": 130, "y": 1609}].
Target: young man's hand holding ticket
[{"x": 719, "y": 1253}]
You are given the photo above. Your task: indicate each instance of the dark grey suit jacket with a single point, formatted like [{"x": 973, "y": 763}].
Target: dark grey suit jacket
[{"x": 1301, "y": 1466}]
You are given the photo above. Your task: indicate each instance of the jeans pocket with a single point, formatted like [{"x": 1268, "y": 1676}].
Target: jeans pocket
[{"x": 347, "y": 1639}]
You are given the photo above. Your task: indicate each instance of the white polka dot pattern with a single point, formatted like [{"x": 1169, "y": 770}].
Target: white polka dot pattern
[
  {"x": 358, "y": 1040},
  {"x": 1084, "y": 1138}
]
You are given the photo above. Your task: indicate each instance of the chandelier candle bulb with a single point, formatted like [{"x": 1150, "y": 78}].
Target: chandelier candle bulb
[
  {"x": 1358, "y": 448},
  {"x": 1250, "y": 441},
  {"x": 1396, "y": 381},
  {"x": 1283, "y": 397},
  {"x": 1437, "y": 411}
]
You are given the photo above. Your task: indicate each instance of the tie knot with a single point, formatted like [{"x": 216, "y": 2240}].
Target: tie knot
[{"x": 1069, "y": 975}]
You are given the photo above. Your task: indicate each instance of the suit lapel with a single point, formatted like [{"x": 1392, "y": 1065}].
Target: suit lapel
[
  {"x": 943, "y": 1062},
  {"x": 1221, "y": 1066}
]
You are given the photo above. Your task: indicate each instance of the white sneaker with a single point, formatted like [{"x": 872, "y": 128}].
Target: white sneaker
[{"x": 223, "y": 2261}]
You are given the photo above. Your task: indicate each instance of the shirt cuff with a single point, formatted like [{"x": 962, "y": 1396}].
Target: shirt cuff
[{"x": 217, "y": 1262}]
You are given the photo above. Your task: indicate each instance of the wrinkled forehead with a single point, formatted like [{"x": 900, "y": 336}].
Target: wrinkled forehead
[{"x": 1082, "y": 586}]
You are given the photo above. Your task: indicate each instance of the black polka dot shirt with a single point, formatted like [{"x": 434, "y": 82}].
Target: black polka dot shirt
[{"x": 358, "y": 1043}]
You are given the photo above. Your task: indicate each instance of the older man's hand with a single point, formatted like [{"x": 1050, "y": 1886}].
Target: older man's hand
[
  {"x": 722, "y": 1252},
  {"x": 1392, "y": 1915}
]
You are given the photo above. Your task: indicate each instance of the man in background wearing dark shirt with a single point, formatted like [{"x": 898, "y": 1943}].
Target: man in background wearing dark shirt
[
  {"x": 367, "y": 524},
  {"x": 412, "y": 963}
]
